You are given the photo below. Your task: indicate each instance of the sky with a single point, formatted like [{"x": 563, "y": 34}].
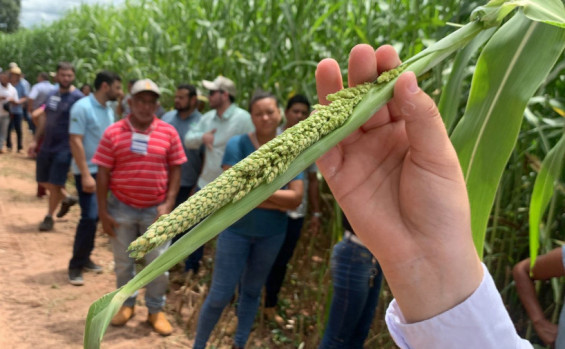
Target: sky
[{"x": 34, "y": 12}]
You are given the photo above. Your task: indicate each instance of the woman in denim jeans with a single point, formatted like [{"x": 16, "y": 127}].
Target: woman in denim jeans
[
  {"x": 357, "y": 280},
  {"x": 246, "y": 250}
]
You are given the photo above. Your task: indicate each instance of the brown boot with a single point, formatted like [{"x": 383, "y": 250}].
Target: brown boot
[
  {"x": 271, "y": 315},
  {"x": 160, "y": 323},
  {"x": 122, "y": 316}
]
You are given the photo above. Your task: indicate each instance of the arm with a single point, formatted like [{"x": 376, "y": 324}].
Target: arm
[
  {"x": 285, "y": 199},
  {"x": 103, "y": 183},
  {"x": 547, "y": 266},
  {"x": 193, "y": 138},
  {"x": 172, "y": 191},
  {"x": 314, "y": 202},
  {"x": 282, "y": 199},
  {"x": 39, "y": 119},
  {"x": 77, "y": 149}
]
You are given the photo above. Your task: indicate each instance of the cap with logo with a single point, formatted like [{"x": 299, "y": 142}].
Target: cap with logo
[
  {"x": 220, "y": 83},
  {"x": 145, "y": 85}
]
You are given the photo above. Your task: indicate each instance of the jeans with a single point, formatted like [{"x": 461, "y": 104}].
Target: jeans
[
  {"x": 15, "y": 123},
  {"x": 238, "y": 259},
  {"x": 30, "y": 123},
  {"x": 278, "y": 271},
  {"x": 192, "y": 262},
  {"x": 356, "y": 281},
  {"x": 4, "y": 123},
  {"x": 86, "y": 228},
  {"x": 132, "y": 222}
]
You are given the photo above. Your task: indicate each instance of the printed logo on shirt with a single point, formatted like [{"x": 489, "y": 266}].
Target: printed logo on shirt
[{"x": 53, "y": 102}]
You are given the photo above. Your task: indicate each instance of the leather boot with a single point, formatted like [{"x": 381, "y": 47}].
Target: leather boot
[
  {"x": 122, "y": 316},
  {"x": 160, "y": 323}
]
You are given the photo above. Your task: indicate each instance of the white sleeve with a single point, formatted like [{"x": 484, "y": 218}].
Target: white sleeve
[{"x": 481, "y": 321}]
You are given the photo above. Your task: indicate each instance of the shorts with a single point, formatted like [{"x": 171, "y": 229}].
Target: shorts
[{"x": 53, "y": 167}]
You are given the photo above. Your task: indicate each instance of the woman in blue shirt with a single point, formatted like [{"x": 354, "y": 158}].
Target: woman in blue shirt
[{"x": 246, "y": 250}]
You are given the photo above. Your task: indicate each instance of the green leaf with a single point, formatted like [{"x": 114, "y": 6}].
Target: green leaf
[
  {"x": 545, "y": 11},
  {"x": 510, "y": 69},
  {"x": 451, "y": 94},
  {"x": 548, "y": 175}
]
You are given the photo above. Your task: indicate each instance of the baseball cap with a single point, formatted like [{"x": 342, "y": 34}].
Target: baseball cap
[
  {"x": 12, "y": 65},
  {"x": 16, "y": 70},
  {"x": 220, "y": 83},
  {"x": 145, "y": 85}
]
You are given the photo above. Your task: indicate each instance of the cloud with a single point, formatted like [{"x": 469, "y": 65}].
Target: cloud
[{"x": 35, "y": 12}]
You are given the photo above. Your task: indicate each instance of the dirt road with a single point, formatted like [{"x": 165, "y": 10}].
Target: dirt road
[{"x": 38, "y": 307}]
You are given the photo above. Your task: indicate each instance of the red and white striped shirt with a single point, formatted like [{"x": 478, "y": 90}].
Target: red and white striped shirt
[{"x": 135, "y": 179}]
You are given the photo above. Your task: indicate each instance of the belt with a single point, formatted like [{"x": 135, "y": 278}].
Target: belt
[{"x": 347, "y": 235}]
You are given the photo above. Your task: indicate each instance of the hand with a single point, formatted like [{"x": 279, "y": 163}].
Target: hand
[
  {"x": 32, "y": 149},
  {"x": 88, "y": 184},
  {"x": 546, "y": 331},
  {"x": 314, "y": 226},
  {"x": 398, "y": 180},
  {"x": 208, "y": 139},
  {"x": 108, "y": 224},
  {"x": 164, "y": 208}
]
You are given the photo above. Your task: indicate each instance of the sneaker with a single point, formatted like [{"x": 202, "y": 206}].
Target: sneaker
[
  {"x": 66, "y": 205},
  {"x": 47, "y": 224},
  {"x": 75, "y": 277},
  {"x": 91, "y": 266},
  {"x": 122, "y": 316},
  {"x": 160, "y": 323}
]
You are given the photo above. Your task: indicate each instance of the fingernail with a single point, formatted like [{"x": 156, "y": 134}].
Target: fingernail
[{"x": 412, "y": 85}]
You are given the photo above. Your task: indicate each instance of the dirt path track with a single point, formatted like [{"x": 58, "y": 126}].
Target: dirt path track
[{"x": 38, "y": 307}]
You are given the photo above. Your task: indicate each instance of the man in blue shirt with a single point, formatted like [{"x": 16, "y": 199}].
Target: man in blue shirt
[
  {"x": 90, "y": 117},
  {"x": 16, "y": 108},
  {"x": 54, "y": 157},
  {"x": 183, "y": 118}
]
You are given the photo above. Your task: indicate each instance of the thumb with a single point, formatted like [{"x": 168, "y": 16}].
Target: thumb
[
  {"x": 213, "y": 131},
  {"x": 430, "y": 146}
]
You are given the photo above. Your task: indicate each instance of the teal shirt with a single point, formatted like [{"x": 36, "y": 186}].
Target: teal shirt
[
  {"x": 90, "y": 119},
  {"x": 234, "y": 121}
]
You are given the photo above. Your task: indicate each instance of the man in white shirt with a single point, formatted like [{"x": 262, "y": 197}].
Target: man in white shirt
[
  {"x": 8, "y": 94},
  {"x": 39, "y": 92},
  {"x": 214, "y": 129}
]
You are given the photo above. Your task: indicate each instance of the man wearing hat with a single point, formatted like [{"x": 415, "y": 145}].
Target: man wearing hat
[
  {"x": 214, "y": 129},
  {"x": 8, "y": 94},
  {"x": 139, "y": 162},
  {"x": 17, "y": 108}
]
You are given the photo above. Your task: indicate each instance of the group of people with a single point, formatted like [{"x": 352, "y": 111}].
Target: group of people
[
  {"x": 397, "y": 179},
  {"x": 14, "y": 95}
]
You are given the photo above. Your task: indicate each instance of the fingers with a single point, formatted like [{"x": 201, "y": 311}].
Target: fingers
[
  {"x": 387, "y": 58},
  {"x": 362, "y": 65},
  {"x": 328, "y": 79},
  {"x": 428, "y": 139}
]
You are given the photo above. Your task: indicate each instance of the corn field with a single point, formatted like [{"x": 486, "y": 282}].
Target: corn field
[{"x": 275, "y": 45}]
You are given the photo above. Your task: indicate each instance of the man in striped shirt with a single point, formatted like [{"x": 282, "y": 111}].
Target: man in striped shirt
[{"x": 139, "y": 161}]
